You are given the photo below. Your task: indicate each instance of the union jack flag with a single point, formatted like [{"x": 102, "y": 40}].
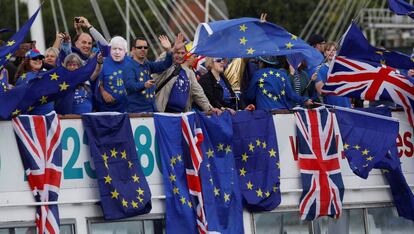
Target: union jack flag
[
  {"x": 353, "y": 78},
  {"x": 38, "y": 139},
  {"x": 323, "y": 188},
  {"x": 193, "y": 170}
]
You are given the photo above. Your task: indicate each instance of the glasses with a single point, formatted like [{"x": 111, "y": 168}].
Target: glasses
[
  {"x": 37, "y": 58},
  {"x": 218, "y": 60},
  {"x": 141, "y": 47}
]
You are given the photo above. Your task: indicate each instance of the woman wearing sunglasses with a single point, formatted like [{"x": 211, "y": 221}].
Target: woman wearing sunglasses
[{"x": 217, "y": 88}]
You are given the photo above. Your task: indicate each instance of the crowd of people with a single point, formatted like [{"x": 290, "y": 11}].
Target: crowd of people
[{"x": 126, "y": 81}]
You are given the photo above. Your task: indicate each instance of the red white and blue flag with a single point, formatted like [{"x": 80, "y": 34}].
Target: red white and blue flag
[
  {"x": 38, "y": 139},
  {"x": 353, "y": 78},
  {"x": 323, "y": 188}
]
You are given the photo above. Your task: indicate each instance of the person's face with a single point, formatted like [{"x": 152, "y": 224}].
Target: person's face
[
  {"x": 218, "y": 65},
  {"x": 330, "y": 53},
  {"x": 179, "y": 56},
  {"x": 117, "y": 53},
  {"x": 140, "y": 49},
  {"x": 50, "y": 58},
  {"x": 84, "y": 44},
  {"x": 72, "y": 65},
  {"x": 36, "y": 63}
]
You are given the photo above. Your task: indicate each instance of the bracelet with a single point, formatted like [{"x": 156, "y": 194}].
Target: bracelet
[{"x": 89, "y": 28}]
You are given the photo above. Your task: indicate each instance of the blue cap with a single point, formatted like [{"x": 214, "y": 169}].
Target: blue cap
[{"x": 33, "y": 53}]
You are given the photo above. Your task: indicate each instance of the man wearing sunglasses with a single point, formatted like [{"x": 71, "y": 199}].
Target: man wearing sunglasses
[{"x": 140, "y": 86}]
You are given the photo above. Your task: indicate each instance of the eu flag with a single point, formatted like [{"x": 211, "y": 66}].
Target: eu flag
[
  {"x": 48, "y": 87},
  {"x": 122, "y": 185},
  {"x": 366, "y": 138},
  {"x": 356, "y": 46},
  {"x": 220, "y": 182},
  {"x": 257, "y": 159},
  {"x": 7, "y": 50},
  {"x": 249, "y": 37},
  {"x": 401, "y": 7},
  {"x": 179, "y": 146}
]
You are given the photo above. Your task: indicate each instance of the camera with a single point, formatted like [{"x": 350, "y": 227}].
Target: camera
[{"x": 77, "y": 19}]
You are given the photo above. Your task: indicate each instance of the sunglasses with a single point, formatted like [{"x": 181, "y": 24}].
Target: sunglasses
[
  {"x": 141, "y": 47},
  {"x": 37, "y": 58},
  {"x": 218, "y": 60}
]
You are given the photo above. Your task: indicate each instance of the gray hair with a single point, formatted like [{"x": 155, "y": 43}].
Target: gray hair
[
  {"x": 118, "y": 40},
  {"x": 72, "y": 57}
]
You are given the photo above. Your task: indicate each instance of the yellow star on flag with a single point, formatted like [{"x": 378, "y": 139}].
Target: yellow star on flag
[
  {"x": 261, "y": 85},
  {"x": 289, "y": 45},
  {"x": 272, "y": 153},
  {"x": 135, "y": 178},
  {"x": 54, "y": 76},
  {"x": 108, "y": 179},
  {"x": 267, "y": 194},
  {"x": 258, "y": 142},
  {"x": 277, "y": 74},
  {"x": 261, "y": 80},
  {"x": 216, "y": 191},
  {"x": 226, "y": 197},
  {"x": 16, "y": 112},
  {"x": 346, "y": 146},
  {"x": 182, "y": 200},
  {"x": 140, "y": 199},
  {"x": 220, "y": 147},
  {"x": 259, "y": 193},
  {"x": 173, "y": 161},
  {"x": 249, "y": 185},
  {"x": 283, "y": 92},
  {"x": 274, "y": 188},
  {"x": 264, "y": 75},
  {"x": 124, "y": 203},
  {"x": 271, "y": 72},
  {"x": 251, "y": 147},
  {"x": 130, "y": 164},
  {"x": 179, "y": 158},
  {"x": 294, "y": 37},
  {"x": 243, "y": 28},
  {"x": 63, "y": 86},
  {"x": 264, "y": 91},
  {"x": 172, "y": 177},
  {"x": 124, "y": 154},
  {"x": 357, "y": 147},
  {"x": 369, "y": 158},
  {"x": 190, "y": 204},
  {"x": 140, "y": 191},
  {"x": 113, "y": 153},
  {"x": 105, "y": 157},
  {"x": 250, "y": 50},
  {"x": 43, "y": 100},
  {"x": 228, "y": 149},
  {"x": 242, "y": 172},
  {"x": 176, "y": 190},
  {"x": 243, "y": 41},
  {"x": 114, "y": 194},
  {"x": 10, "y": 43},
  {"x": 365, "y": 152},
  {"x": 244, "y": 157},
  {"x": 210, "y": 153},
  {"x": 264, "y": 144},
  {"x": 134, "y": 204},
  {"x": 8, "y": 56},
  {"x": 379, "y": 52},
  {"x": 278, "y": 164},
  {"x": 30, "y": 108}
]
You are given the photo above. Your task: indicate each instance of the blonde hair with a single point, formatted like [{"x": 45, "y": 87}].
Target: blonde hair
[
  {"x": 328, "y": 45},
  {"x": 53, "y": 50}
]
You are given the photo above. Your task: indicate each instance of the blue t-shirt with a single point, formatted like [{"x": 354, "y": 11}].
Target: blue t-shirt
[
  {"x": 82, "y": 101},
  {"x": 113, "y": 78},
  {"x": 272, "y": 90},
  {"x": 226, "y": 91},
  {"x": 179, "y": 93},
  {"x": 40, "y": 109},
  {"x": 330, "y": 99}
]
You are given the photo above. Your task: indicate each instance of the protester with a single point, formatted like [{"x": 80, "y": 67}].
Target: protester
[
  {"x": 317, "y": 41},
  {"x": 270, "y": 87},
  {"x": 51, "y": 56},
  {"x": 329, "y": 53}
]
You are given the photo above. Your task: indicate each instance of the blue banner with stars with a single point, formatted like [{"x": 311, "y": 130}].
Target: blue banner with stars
[
  {"x": 257, "y": 159},
  {"x": 220, "y": 182},
  {"x": 48, "y": 87},
  {"x": 367, "y": 138},
  {"x": 123, "y": 189},
  {"x": 249, "y": 37},
  {"x": 10, "y": 47}
]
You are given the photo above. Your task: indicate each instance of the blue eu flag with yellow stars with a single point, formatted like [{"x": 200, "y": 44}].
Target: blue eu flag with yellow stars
[
  {"x": 366, "y": 138},
  {"x": 249, "y": 37},
  {"x": 10, "y": 47},
  {"x": 356, "y": 46},
  {"x": 257, "y": 159},
  {"x": 122, "y": 185},
  {"x": 48, "y": 87},
  {"x": 220, "y": 182},
  {"x": 401, "y": 7}
]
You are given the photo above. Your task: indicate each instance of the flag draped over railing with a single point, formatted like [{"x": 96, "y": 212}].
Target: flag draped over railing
[{"x": 38, "y": 138}]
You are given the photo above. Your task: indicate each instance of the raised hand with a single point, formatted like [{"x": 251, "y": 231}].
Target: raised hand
[
  {"x": 263, "y": 17},
  {"x": 179, "y": 42},
  {"x": 165, "y": 42}
]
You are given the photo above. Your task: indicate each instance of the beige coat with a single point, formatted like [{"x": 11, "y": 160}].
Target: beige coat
[{"x": 196, "y": 91}]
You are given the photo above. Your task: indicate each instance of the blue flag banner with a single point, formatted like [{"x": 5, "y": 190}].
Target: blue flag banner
[
  {"x": 10, "y": 47},
  {"x": 38, "y": 138},
  {"x": 401, "y": 7},
  {"x": 249, "y": 37},
  {"x": 48, "y": 87},
  {"x": 179, "y": 142},
  {"x": 356, "y": 46},
  {"x": 366, "y": 138},
  {"x": 257, "y": 159},
  {"x": 323, "y": 188},
  {"x": 123, "y": 188},
  {"x": 221, "y": 191}
]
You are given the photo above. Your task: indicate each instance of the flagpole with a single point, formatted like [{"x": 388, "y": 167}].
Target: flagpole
[{"x": 358, "y": 112}]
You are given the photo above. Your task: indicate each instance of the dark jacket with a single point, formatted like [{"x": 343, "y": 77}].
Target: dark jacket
[{"x": 214, "y": 91}]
